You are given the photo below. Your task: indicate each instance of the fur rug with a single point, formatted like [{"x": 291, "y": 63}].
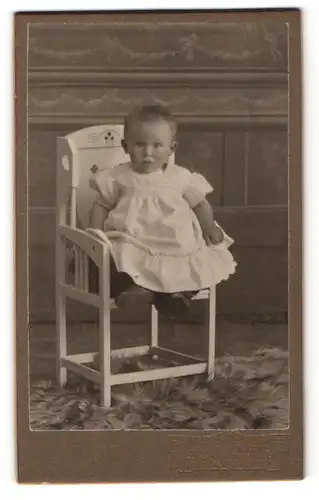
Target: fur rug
[{"x": 246, "y": 393}]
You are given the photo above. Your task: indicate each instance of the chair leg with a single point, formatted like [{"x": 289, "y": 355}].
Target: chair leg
[
  {"x": 105, "y": 333},
  {"x": 105, "y": 353},
  {"x": 211, "y": 332},
  {"x": 61, "y": 346},
  {"x": 154, "y": 326},
  {"x": 61, "y": 338}
]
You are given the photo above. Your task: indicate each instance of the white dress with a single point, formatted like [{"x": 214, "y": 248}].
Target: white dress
[{"x": 154, "y": 233}]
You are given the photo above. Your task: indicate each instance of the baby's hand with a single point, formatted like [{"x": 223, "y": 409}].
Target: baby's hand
[{"x": 213, "y": 235}]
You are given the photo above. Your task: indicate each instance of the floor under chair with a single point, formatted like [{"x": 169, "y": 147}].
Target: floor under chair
[{"x": 233, "y": 337}]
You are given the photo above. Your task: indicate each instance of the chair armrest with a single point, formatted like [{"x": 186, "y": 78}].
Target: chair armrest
[{"x": 92, "y": 245}]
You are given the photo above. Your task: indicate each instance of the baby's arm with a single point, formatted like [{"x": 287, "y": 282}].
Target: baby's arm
[
  {"x": 98, "y": 216},
  {"x": 211, "y": 232}
]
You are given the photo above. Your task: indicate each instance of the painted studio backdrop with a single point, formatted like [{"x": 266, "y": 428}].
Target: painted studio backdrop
[{"x": 227, "y": 84}]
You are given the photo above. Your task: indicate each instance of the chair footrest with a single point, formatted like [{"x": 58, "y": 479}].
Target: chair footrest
[
  {"x": 182, "y": 365},
  {"x": 158, "y": 374}
]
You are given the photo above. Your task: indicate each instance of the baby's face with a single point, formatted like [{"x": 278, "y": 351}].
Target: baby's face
[{"x": 149, "y": 145}]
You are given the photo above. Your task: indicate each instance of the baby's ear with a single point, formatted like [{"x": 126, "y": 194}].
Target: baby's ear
[
  {"x": 124, "y": 145},
  {"x": 173, "y": 146}
]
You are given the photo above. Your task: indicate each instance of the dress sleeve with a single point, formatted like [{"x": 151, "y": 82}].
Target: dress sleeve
[
  {"x": 107, "y": 187},
  {"x": 197, "y": 188}
]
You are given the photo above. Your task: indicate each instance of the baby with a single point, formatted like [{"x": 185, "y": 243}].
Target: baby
[{"x": 164, "y": 240}]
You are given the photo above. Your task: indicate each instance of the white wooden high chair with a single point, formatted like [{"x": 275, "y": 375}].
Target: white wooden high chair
[{"x": 79, "y": 154}]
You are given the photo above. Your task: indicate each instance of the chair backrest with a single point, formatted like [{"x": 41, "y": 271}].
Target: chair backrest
[{"x": 79, "y": 155}]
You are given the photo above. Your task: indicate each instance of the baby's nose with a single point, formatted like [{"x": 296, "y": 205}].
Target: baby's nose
[{"x": 148, "y": 150}]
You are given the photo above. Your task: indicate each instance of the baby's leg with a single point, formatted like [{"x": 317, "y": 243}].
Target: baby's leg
[
  {"x": 174, "y": 305},
  {"x": 119, "y": 282},
  {"x": 125, "y": 291}
]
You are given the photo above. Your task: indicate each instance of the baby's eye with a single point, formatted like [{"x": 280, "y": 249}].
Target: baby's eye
[
  {"x": 139, "y": 144},
  {"x": 157, "y": 144}
]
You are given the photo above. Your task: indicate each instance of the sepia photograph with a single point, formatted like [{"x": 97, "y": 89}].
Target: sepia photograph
[{"x": 158, "y": 251}]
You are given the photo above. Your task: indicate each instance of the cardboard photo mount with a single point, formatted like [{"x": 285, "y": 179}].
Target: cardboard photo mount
[{"x": 150, "y": 456}]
